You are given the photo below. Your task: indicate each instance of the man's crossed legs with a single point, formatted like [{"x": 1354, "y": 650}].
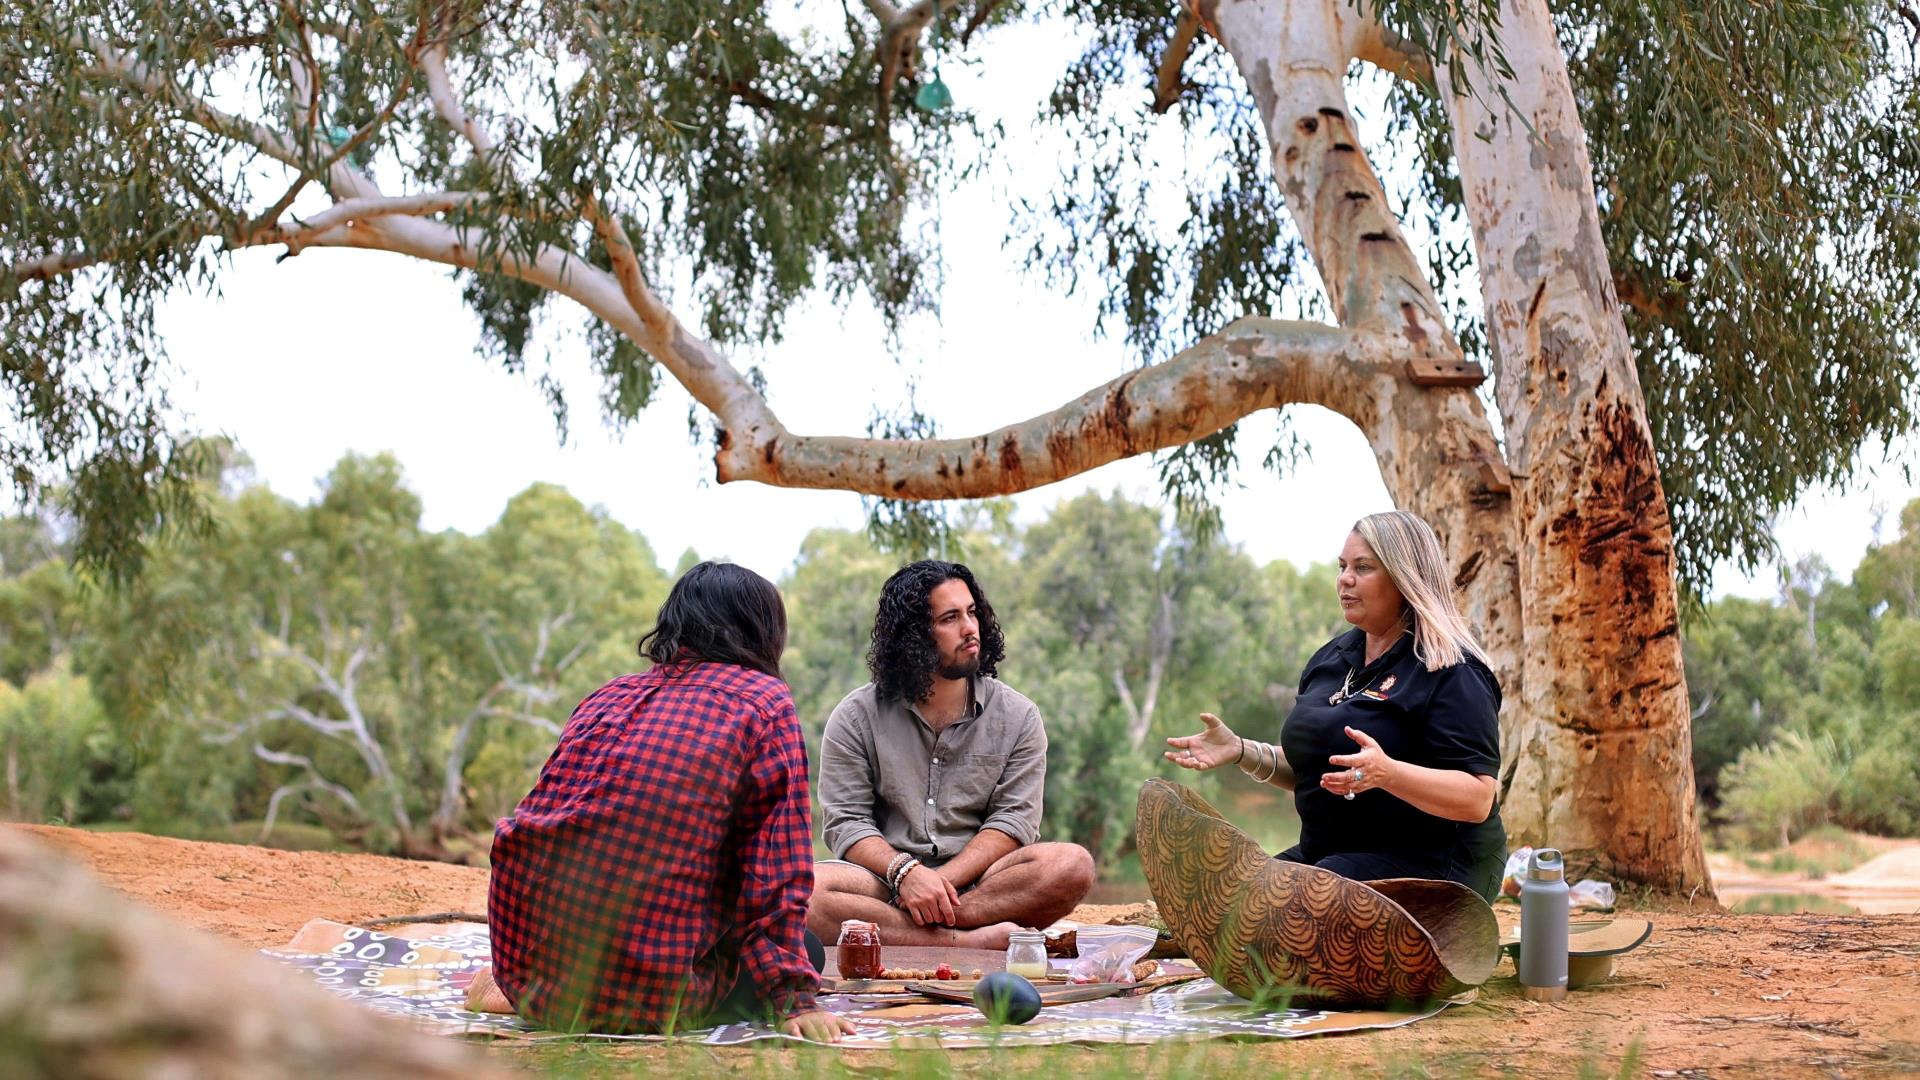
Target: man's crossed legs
[{"x": 1035, "y": 885}]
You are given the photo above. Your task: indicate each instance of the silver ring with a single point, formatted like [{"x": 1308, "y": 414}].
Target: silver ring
[{"x": 1359, "y": 774}]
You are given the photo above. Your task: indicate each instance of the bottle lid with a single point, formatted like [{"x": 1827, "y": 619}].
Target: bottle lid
[
  {"x": 1025, "y": 936},
  {"x": 1546, "y": 865},
  {"x": 858, "y": 924}
]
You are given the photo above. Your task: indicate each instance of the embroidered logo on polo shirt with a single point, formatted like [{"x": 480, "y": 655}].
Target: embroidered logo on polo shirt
[{"x": 1380, "y": 694}]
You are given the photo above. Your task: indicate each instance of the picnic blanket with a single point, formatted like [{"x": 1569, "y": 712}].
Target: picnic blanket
[{"x": 422, "y": 973}]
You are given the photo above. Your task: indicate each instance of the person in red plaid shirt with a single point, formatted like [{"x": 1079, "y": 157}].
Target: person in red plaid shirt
[{"x": 656, "y": 878}]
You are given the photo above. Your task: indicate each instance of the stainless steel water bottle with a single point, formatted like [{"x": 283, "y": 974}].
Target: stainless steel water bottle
[{"x": 1543, "y": 927}]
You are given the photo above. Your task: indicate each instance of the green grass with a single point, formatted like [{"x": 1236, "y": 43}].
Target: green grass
[{"x": 1164, "y": 1061}]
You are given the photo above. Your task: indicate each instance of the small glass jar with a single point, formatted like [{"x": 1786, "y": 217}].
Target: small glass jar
[
  {"x": 1027, "y": 954},
  {"x": 858, "y": 952}
]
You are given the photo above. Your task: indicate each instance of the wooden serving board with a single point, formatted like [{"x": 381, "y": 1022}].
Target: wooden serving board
[
  {"x": 902, "y": 986},
  {"x": 895, "y": 957},
  {"x": 961, "y": 990},
  {"x": 872, "y": 986}
]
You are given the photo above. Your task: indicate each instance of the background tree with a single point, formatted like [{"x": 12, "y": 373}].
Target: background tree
[
  {"x": 121, "y": 726},
  {"x": 1808, "y": 711},
  {"x": 355, "y": 666},
  {"x": 830, "y": 594},
  {"x": 576, "y": 150},
  {"x": 59, "y": 758}
]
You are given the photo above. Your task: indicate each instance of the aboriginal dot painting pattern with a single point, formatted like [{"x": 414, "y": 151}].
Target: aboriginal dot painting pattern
[{"x": 423, "y": 978}]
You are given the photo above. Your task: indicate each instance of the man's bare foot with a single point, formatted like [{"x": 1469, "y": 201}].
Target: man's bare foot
[{"x": 985, "y": 937}]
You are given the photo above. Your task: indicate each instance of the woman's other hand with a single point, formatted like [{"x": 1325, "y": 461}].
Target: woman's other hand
[
  {"x": 1212, "y": 746},
  {"x": 817, "y": 1026},
  {"x": 1366, "y": 768}
]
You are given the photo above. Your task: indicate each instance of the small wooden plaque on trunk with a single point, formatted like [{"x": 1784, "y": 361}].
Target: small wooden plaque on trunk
[{"x": 1445, "y": 372}]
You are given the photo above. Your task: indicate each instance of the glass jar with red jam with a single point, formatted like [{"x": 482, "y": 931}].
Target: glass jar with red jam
[{"x": 858, "y": 952}]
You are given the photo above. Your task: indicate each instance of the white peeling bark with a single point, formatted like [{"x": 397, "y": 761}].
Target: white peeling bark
[
  {"x": 1602, "y": 760},
  {"x": 1434, "y": 446},
  {"x": 1294, "y": 55},
  {"x": 446, "y": 103}
]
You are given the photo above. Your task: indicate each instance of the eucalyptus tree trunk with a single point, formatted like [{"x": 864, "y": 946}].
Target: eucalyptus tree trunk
[
  {"x": 1562, "y": 550},
  {"x": 1600, "y": 742}
]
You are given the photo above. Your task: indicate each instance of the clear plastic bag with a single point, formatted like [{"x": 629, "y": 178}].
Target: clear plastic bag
[
  {"x": 1516, "y": 869},
  {"x": 1590, "y": 895},
  {"x": 1106, "y": 954},
  {"x": 1587, "y": 894}
]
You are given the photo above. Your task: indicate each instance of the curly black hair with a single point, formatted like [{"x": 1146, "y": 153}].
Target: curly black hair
[{"x": 902, "y": 656}]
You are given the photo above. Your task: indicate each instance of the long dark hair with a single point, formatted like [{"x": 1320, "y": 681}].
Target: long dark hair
[
  {"x": 723, "y": 614},
  {"x": 902, "y": 656}
]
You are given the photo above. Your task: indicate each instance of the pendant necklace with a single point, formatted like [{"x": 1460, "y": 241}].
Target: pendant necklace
[{"x": 1346, "y": 688}]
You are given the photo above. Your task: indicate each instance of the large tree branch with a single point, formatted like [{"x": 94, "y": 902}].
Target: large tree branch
[
  {"x": 338, "y": 156},
  {"x": 355, "y": 729},
  {"x": 698, "y": 366},
  {"x": 1159, "y": 651},
  {"x": 900, "y": 31},
  {"x": 453, "y": 769},
  {"x": 295, "y": 234},
  {"x": 452, "y": 801},
  {"x": 314, "y": 780},
  {"x": 433, "y": 64},
  {"x": 1168, "y": 81},
  {"x": 531, "y": 719},
  {"x": 1390, "y": 52},
  {"x": 692, "y": 361},
  {"x": 138, "y": 75},
  {"x": 1662, "y": 305},
  {"x": 333, "y": 729},
  {"x": 1253, "y": 364}
]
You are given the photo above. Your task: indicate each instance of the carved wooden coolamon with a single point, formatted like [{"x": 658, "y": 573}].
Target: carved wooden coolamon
[{"x": 1267, "y": 929}]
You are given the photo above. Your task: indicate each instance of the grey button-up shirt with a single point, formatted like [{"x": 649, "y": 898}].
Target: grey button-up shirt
[{"x": 883, "y": 772}]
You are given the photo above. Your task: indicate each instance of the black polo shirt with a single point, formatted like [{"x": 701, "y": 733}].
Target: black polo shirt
[{"x": 1446, "y": 719}]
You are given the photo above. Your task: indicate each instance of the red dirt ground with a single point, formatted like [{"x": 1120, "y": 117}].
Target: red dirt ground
[{"x": 1711, "y": 994}]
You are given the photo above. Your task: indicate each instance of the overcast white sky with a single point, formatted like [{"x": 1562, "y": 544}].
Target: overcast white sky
[{"x": 338, "y": 351}]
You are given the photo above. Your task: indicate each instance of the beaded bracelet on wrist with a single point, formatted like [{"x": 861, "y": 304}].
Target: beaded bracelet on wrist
[
  {"x": 893, "y": 866},
  {"x": 898, "y": 877}
]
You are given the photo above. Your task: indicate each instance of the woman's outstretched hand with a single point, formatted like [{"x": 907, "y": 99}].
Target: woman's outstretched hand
[{"x": 1212, "y": 746}]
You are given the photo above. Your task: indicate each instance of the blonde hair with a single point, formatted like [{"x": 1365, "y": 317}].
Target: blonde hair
[{"x": 1410, "y": 553}]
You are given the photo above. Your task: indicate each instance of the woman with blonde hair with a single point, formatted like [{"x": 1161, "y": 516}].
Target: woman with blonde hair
[{"x": 1393, "y": 749}]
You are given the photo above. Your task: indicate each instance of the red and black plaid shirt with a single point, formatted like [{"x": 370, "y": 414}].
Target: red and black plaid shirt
[{"x": 664, "y": 853}]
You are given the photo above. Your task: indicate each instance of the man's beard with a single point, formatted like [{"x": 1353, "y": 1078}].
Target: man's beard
[{"x": 963, "y": 667}]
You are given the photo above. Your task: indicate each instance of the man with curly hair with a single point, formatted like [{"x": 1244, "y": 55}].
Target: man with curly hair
[{"x": 931, "y": 779}]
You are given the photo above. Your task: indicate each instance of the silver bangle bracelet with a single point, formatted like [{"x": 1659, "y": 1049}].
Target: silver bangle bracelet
[
  {"x": 1273, "y": 763},
  {"x": 1252, "y": 768}
]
